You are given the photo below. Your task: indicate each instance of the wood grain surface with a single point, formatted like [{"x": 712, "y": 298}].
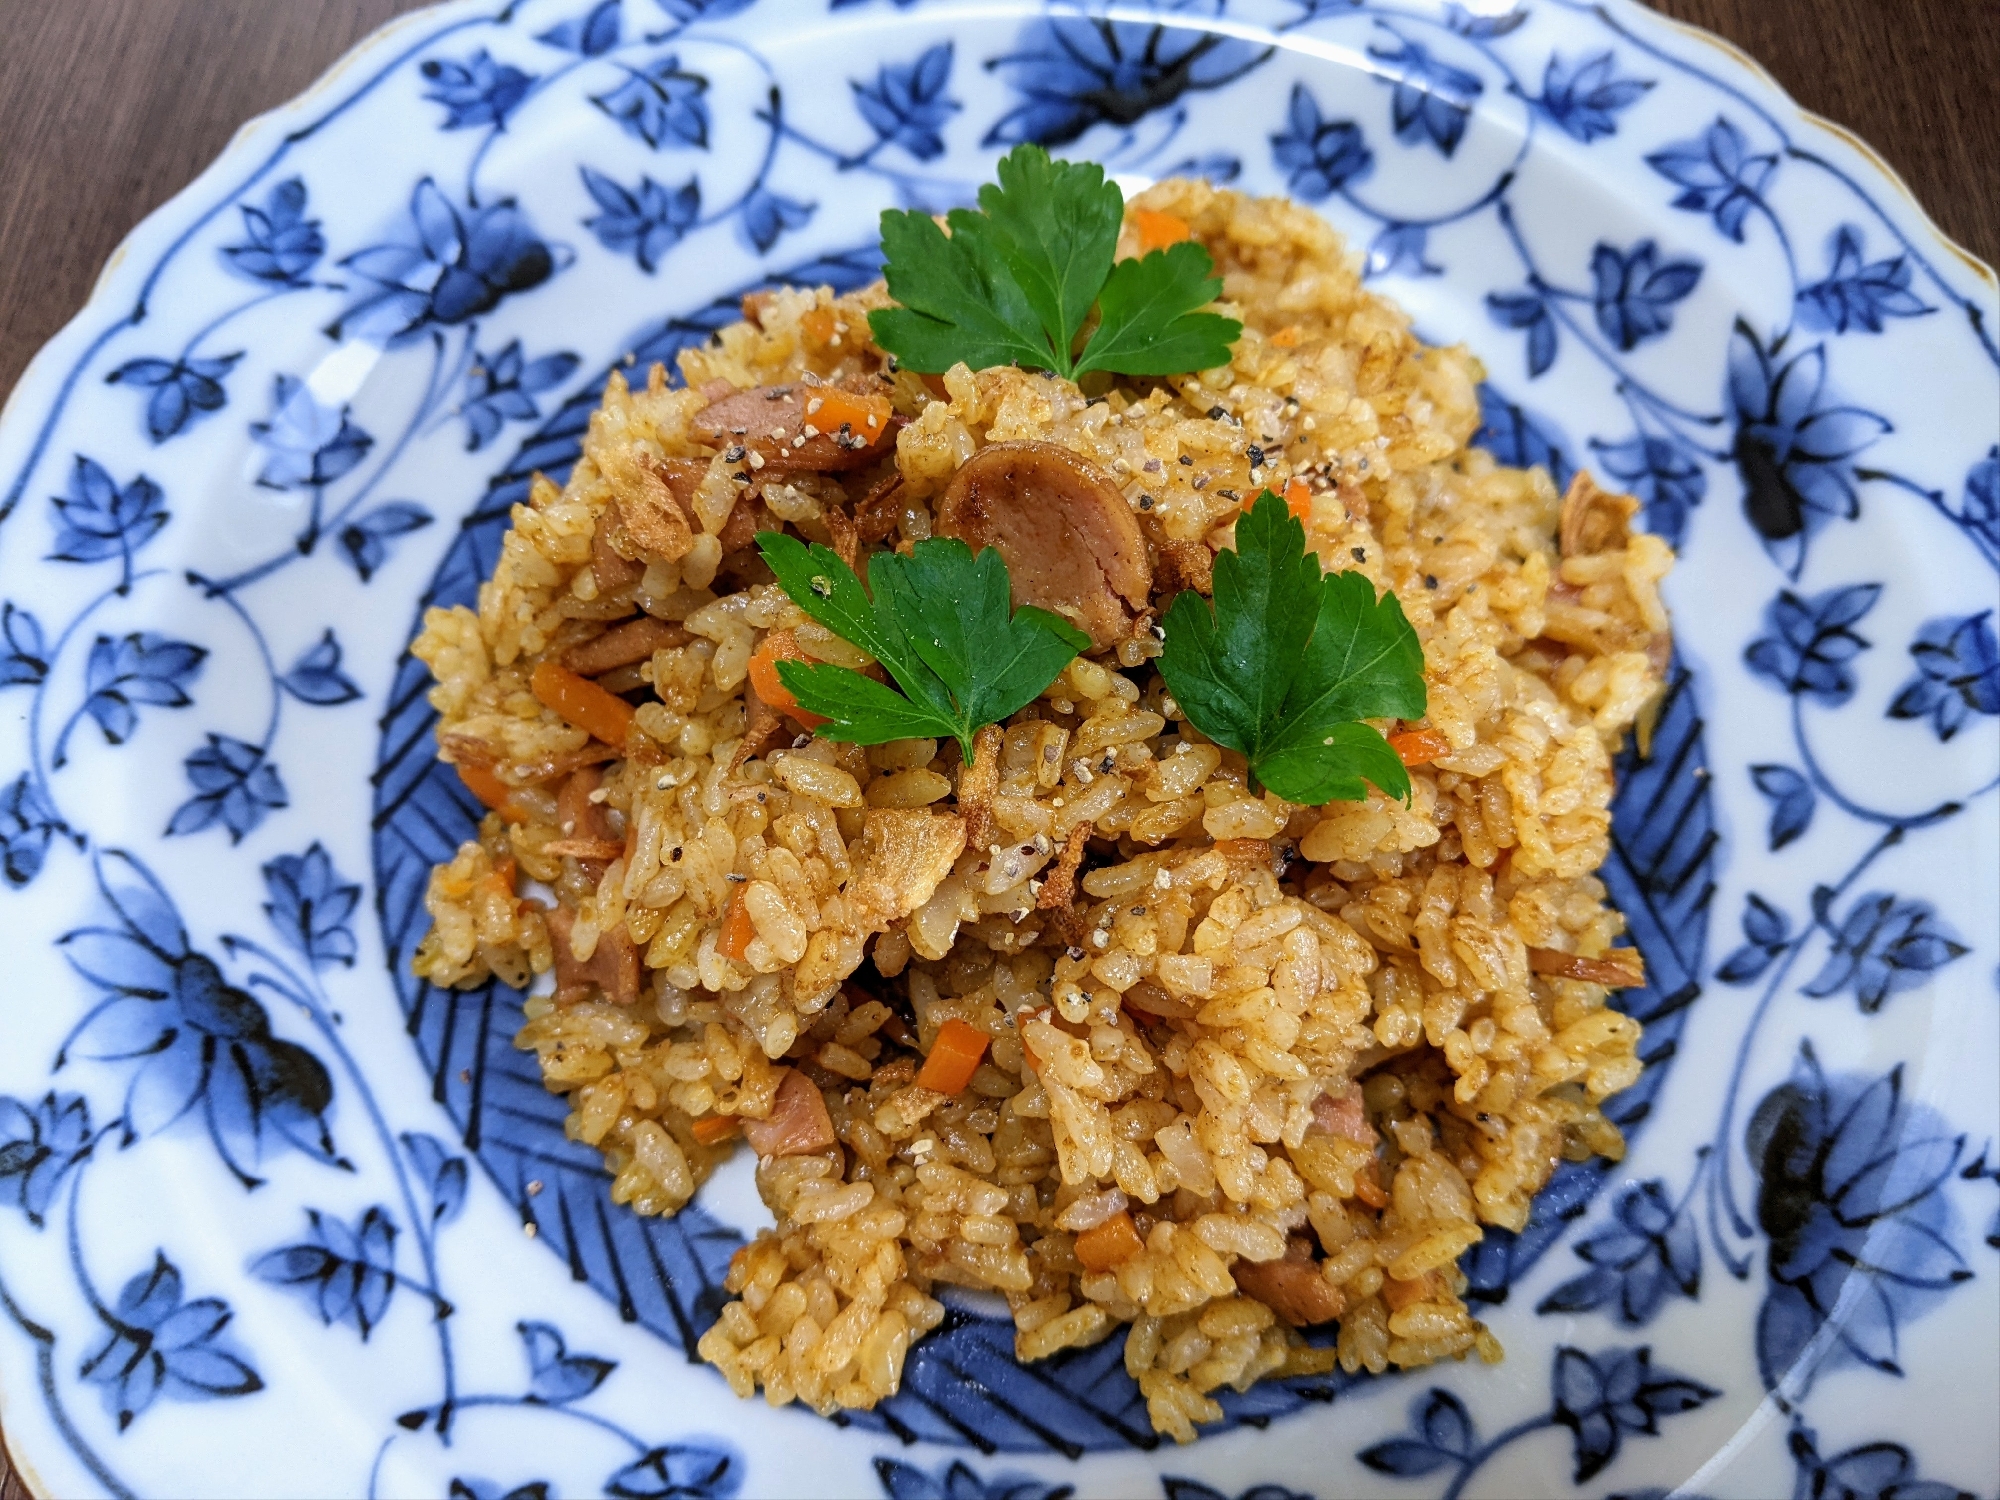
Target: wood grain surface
[{"x": 109, "y": 107}]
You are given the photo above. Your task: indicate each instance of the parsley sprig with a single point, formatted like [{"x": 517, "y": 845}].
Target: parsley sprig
[
  {"x": 939, "y": 623},
  {"x": 1287, "y": 660},
  {"x": 1016, "y": 282}
]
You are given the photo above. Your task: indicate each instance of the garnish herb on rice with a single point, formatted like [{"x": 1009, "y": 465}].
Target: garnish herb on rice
[
  {"x": 1014, "y": 284},
  {"x": 1288, "y": 660},
  {"x": 940, "y": 625}
]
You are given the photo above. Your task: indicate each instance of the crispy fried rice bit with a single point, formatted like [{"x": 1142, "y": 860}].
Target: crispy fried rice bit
[{"x": 1248, "y": 1067}]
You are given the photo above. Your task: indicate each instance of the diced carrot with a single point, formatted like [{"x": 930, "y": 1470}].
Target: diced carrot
[
  {"x": 1419, "y": 747},
  {"x": 505, "y": 871},
  {"x": 1158, "y": 230},
  {"x": 1298, "y": 499},
  {"x": 1287, "y": 337},
  {"x": 582, "y": 702},
  {"x": 710, "y": 1129},
  {"x": 866, "y": 417},
  {"x": 1021, "y": 1020},
  {"x": 777, "y": 646},
  {"x": 490, "y": 790},
  {"x": 1111, "y": 1243},
  {"x": 818, "y": 324},
  {"x": 954, "y": 1057},
  {"x": 737, "y": 929},
  {"x": 1368, "y": 1189}
]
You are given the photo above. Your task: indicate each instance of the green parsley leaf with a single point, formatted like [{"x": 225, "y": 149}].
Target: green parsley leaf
[
  {"x": 940, "y": 625},
  {"x": 1287, "y": 659},
  {"x": 1015, "y": 283}
]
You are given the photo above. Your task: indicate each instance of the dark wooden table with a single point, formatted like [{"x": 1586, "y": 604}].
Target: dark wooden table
[{"x": 110, "y": 106}]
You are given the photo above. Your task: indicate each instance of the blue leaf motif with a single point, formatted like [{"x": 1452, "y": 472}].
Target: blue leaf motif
[
  {"x": 461, "y": 263},
  {"x": 1605, "y": 1397},
  {"x": 648, "y": 220},
  {"x": 234, "y": 785},
  {"x": 1981, "y": 508},
  {"x": 1175, "y": 1489},
  {"x": 366, "y": 540},
  {"x": 311, "y": 906},
  {"x": 766, "y": 215},
  {"x": 1432, "y": 100},
  {"x": 182, "y": 389},
  {"x": 1583, "y": 99},
  {"x": 1792, "y": 801},
  {"x": 1664, "y": 474},
  {"x": 1401, "y": 247},
  {"x": 316, "y": 676},
  {"x": 27, "y": 825},
  {"x": 349, "y": 1274},
  {"x": 556, "y": 1376},
  {"x": 96, "y": 519},
  {"x": 1884, "y": 945},
  {"x": 960, "y": 1481},
  {"x": 1218, "y": 167},
  {"x": 690, "y": 11},
  {"x": 1649, "y": 1252},
  {"x": 661, "y": 104},
  {"x": 678, "y": 1471},
  {"x": 1530, "y": 311},
  {"x": 1857, "y": 295},
  {"x": 26, "y": 660},
  {"x": 443, "y": 1175},
  {"x": 1483, "y": 27},
  {"x": 478, "y": 91},
  {"x": 283, "y": 245},
  {"x": 591, "y": 35},
  {"x": 500, "y": 388},
  {"x": 1767, "y": 932},
  {"x": 907, "y": 105},
  {"x": 1441, "y": 1434},
  {"x": 38, "y": 1146},
  {"x": 1319, "y": 156},
  {"x": 141, "y": 668},
  {"x": 1518, "y": 439},
  {"x": 156, "y": 1344},
  {"x": 1812, "y": 641},
  {"x": 1718, "y": 175},
  {"x": 485, "y": 1489},
  {"x": 1958, "y": 673},
  {"x": 1635, "y": 291},
  {"x": 1869, "y": 1471}
]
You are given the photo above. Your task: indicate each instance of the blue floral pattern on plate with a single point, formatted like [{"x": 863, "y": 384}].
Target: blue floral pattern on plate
[{"x": 249, "y": 1164}]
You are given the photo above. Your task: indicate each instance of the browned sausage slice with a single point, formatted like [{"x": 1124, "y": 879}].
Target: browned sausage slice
[{"x": 1071, "y": 543}]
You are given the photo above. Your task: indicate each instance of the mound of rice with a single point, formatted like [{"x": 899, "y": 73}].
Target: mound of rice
[{"x": 1308, "y": 1052}]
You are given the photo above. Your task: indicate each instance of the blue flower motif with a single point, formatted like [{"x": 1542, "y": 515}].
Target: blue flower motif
[
  {"x": 1529, "y": 310},
  {"x": 1520, "y": 440},
  {"x": 1603, "y": 1398},
  {"x": 316, "y": 676},
  {"x": 1072, "y": 72},
  {"x": 1401, "y": 247},
  {"x": 1664, "y": 474},
  {"x": 648, "y": 220},
  {"x": 97, "y": 519},
  {"x": 501, "y": 388},
  {"x": 1793, "y": 452},
  {"x": 959, "y": 1481},
  {"x": 1883, "y": 946},
  {"x": 1767, "y": 932},
  {"x": 1193, "y": 1489},
  {"x": 1218, "y": 167},
  {"x": 27, "y": 825},
  {"x": 38, "y": 1146},
  {"x": 555, "y": 1376},
  {"x": 198, "y": 1041},
  {"x": 1853, "y": 295},
  {"x": 1958, "y": 673},
  {"x": 689, "y": 11},
  {"x": 1483, "y": 27},
  {"x": 1792, "y": 801},
  {"x": 590, "y": 35},
  {"x": 486, "y": 1489},
  {"x": 1319, "y": 156},
  {"x": 349, "y": 1274},
  {"x": 1433, "y": 100},
  {"x": 182, "y": 389},
  {"x": 1849, "y": 1178},
  {"x": 1648, "y": 1253},
  {"x": 283, "y": 244},
  {"x": 1811, "y": 642},
  {"x": 1870, "y": 1471},
  {"x": 312, "y": 907},
  {"x": 26, "y": 660},
  {"x": 143, "y": 667},
  {"x": 906, "y": 104},
  {"x": 157, "y": 1345},
  {"x": 234, "y": 785},
  {"x": 1582, "y": 99},
  {"x": 442, "y": 1174},
  {"x": 660, "y": 104},
  {"x": 311, "y": 444},
  {"x": 765, "y": 215},
  {"x": 678, "y": 1471},
  {"x": 460, "y": 265},
  {"x": 1441, "y": 1433},
  {"x": 1635, "y": 292},
  {"x": 478, "y": 91},
  {"x": 1981, "y": 509},
  {"x": 365, "y": 540},
  {"x": 1717, "y": 174}
]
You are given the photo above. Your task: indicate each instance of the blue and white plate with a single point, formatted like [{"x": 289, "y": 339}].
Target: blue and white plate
[{"x": 276, "y": 1219}]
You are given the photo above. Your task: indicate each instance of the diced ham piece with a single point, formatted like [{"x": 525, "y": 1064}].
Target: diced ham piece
[
  {"x": 1344, "y": 1115},
  {"x": 1071, "y": 543},
  {"x": 613, "y": 966},
  {"x": 1293, "y": 1288},
  {"x": 1618, "y": 969},
  {"x": 612, "y": 570},
  {"x": 799, "y": 1124},
  {"x": 770, "y": 421},
  {"x": 623, "y": 645},
  {"x": 584, "y": 826}
]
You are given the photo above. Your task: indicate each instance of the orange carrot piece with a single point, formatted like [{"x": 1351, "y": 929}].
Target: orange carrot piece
[
  {"x": 1368, "y": 1189},
  {"x": 818, "y": 324},
  {"x": 954, "y": 1057},
  {"x": 490, "y": 790},
  {"x": 600, "y": 714},
  {"x": 777, "y": 646},
  {"x": 1419, "y": 747},
  {"x": 1021, "y": 1021},
  {"x": 1158, "y": 230},
  {"x": 1402, "y": 1294},
  {"x": 733, "y": 941},
  {"x": 1287, "y": 337},
  {"x": 866, "y": 417},
  {"x": 505, "y": 872},
  {"x": 710, "y": 1129},
  {"x": 1298, "y": 499},
  {"x": 1111, "y": 1243}
]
